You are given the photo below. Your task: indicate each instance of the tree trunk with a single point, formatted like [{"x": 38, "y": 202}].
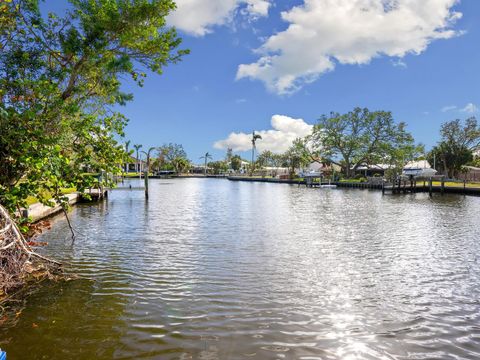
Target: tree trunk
[{"x": 348, "y": 171}]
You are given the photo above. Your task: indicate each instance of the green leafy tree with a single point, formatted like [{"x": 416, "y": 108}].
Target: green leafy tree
[
  {"x": 305, "y": 147},
  {"x": 181, "y": 165},
  {"x": 218, "y": 167},
  {"x": 293, "y": 159},
  {"x": 397, "y": 156},
  {"x": 455, "y": 149},
  {"x": 59, "y": 79},
  {"x": 170, "y": 154},
  {"x": 359, "y": 137},
  {"x": 475, "y": 162},
  {"x": 266, "y": 158},
  {"x": 450, "y": 158},
  {"x": 236, "y": 162}
]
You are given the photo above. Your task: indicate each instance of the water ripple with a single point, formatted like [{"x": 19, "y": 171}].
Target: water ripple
[{"x": 211, "y": 269}]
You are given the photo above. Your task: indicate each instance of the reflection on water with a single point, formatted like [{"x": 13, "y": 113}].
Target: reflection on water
[{"x": 212, "y": 269}]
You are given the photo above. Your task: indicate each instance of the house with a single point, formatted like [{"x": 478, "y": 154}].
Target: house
[
  {"x": 133, "y": 165},
  {"x": 199, "y": 169},
  {"x": 470, "y": 173},
  {"x": 373, "y": 170}
]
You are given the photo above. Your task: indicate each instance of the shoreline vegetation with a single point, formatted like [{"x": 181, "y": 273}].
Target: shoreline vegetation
[
  {"x": 62, "y": 76},
  {"x": 61, "y": 79}
]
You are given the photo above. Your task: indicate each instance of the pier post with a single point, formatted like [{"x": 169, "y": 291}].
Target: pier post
[
  {"x": 146, "y": 184},
  {"x": 464, "y": 187},
  {"x": 443, "y": 186},
  {"x": 383, "y": 187},
  {"x": 430, "y": 187}
]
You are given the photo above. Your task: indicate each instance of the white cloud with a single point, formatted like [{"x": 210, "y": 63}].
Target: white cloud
[
  {"x": 399, "y": 63},
  {"x": 284, "y": 131},
  {"x": 197, "y": 17},
  {"x": 322, "y": 33},
  {"x": 470, "y": 108},
  {"x": 259, "y": 7},
  {"x": 449, "y": 108}
]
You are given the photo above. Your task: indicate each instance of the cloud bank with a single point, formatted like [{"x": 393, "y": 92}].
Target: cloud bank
[
  {"x": 322, "y": 33},
  {"x": 197, "y": 17},
  {"x": 284, "y": 131}
]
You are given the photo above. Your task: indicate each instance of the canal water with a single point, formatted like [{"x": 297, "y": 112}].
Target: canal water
[{"x": 213, "y": 269}]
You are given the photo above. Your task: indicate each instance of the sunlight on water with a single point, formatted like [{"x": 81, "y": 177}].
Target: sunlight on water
[{"x": 212, "y": 269}]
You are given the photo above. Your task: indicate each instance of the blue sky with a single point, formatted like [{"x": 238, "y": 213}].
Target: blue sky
[{"x": 421, "y": 61}]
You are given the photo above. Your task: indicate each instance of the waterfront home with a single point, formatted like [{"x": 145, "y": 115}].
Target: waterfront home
[
  {"x": 470, "y": 173},
  {"x": 372, "y": 170},
  {"x": 133, "y": 165},
  {"x": 199, "y": 169}
]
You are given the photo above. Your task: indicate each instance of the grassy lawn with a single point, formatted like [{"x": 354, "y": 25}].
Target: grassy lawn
[
  {"x": 450, "y": 184},
  {"x": 132, "y": 175},
  {"x": 352, "y": 180}
]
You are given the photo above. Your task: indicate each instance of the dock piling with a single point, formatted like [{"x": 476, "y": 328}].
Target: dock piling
[{"x": 146, "y": 184}]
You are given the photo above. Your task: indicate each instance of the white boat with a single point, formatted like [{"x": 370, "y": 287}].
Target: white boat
[
  {"x": 419, "y": 172},
  {"x": 312, "y": 174},
  {"x": 418, "y": 169}
]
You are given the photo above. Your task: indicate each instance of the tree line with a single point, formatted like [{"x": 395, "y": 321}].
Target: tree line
[
  {"x": 366, "y": 138},
  {"x": 60, "y": 83}
]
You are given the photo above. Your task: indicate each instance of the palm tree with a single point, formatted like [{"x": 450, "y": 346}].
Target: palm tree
[
  {"x": 148, "y": 157},
  {"x": 127, "y": 145},
  {"x": 255, "y": 137},
  {"x": 180, "y": 164},
  {"x": 206, "y": 157},
  {"x": 138, "y": 147}
]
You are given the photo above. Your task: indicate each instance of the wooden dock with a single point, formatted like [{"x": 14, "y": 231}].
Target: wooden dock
[
  {"x": 94, "y": 194},
  {"x": 428, "y": 186},
  {"x": 399, "y": 187}
]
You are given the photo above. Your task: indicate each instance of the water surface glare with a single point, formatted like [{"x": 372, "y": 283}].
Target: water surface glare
[{"x": 212, "y": 269}]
